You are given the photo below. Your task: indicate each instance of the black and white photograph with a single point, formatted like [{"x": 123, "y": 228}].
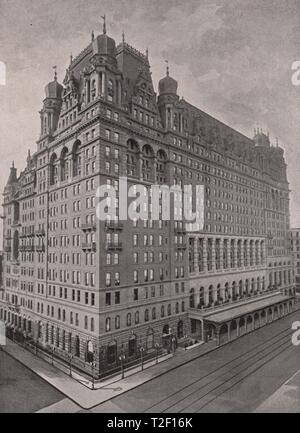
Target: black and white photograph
[{"x": 150, "y": 209}]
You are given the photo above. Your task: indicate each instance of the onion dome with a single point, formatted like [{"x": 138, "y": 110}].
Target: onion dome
[
  {"x": 167, "y": 85},
  {"x": 103, "y": 44},
  {"x": 54, "y": 89}
]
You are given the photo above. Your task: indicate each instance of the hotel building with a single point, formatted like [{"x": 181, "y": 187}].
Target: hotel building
[{"x": 99, "y": 289}]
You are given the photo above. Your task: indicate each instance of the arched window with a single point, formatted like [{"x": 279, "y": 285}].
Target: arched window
[
  {"x": 76, "y": 159},
  {"x": 107, "y": 324},
  {"x": 64, "y": 165},
  {"x": 53, "y": 169},
  {"x": 117, "y": 322},
  {"x": 129, "y": 319},
  {"x": 146, "y": 315},
  {"x": 147, "y": 162},
  {"x": 137, "y": 317},
  {"x": 153, "y": 313},
  {"x": 162, "y": 311}
]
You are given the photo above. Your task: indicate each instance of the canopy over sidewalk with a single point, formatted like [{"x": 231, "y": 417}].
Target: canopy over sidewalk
[{"x": 242, "y": 310}]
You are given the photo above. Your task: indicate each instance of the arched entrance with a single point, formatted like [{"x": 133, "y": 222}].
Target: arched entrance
[
  {"x": 180, "y": 329},
  {"x": 166, "y": 329},
  {"x": 89, "y": 351},
  {"x": 233, "y": 329},
  {"x": 242, "y": 326},
  {"x": 249, "y": 323},
  {"x": 275, "y": 317},
  {"x": 270, "y": 316},
  {"x": 112, "y": 352},
  {"x": 132, "y": 345},
  {"x": 211, "y": 332},
  {"x": 223, "y": 334},
  {"x": 77, "y": 345}
]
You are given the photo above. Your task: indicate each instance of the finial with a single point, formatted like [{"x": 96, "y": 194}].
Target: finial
[
  {"x": 123, "y": 37},
  {"x": 167, "y": 62},
  {"x": 13, "y": 164},
  {"x": 71, "y": 58},
  {"x": 93, "y": 35},
  {"x": 147, "y": 52},
  {"x": 55, "y": 72},
  {"x": 276, "y": 141},
  {"x": 104, "y": 24}
]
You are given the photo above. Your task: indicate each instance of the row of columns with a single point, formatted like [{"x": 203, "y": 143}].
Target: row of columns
[{"x": 253, "y": 255}]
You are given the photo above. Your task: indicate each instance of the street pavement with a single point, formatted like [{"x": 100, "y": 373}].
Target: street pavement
[
  {"x": 21, "y": 390},
  {"x": 251, "y": 373},
  {"x": 238, "y": 377}
]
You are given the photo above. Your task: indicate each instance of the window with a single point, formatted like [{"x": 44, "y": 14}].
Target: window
[
  {"x": 107, "y": 324},
  {"x": 108, "y": 279},
  {"x": 108, "y": 299}
]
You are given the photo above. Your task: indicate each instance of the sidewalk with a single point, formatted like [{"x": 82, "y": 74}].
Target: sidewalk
[
  {"x": 81, "y": 394},
  {"x": 285, "y": 399}
]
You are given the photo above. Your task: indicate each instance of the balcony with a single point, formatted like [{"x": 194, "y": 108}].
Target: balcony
[
  {"x": 180, "y": 229},
  {"x": 181, "y": 246},
  {"x": 22, "y": 248},
  {"x": 16, "y": 223},
  {"x": 40, "y": 232},
  {"x": 114, "y": 225},
  {"x": 88, "y": 227},
  {"x": 89, "y": 246},
  {"x": 113, "y": 246},
  {"x": 40, "y": 248}
]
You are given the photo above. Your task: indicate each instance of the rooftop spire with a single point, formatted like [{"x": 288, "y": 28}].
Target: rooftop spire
[
  {"x": 104, "y": 24},
  {"x": 55, "y": 72},
  {"x": 13, "y": 164},
  {"x": 147, "y": 52},
  {"x": 71, "y": 58},
  {"x": 93, "y": 35},
  {"x": 123, "y": 37},
  {"x": 167, "y": 62}
]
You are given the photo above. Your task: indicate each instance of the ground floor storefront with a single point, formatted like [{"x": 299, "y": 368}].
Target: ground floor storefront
[{"x": 97, "y": 357}]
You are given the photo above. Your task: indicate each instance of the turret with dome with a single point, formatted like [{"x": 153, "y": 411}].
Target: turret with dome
[{"x": 167, "y": 85}]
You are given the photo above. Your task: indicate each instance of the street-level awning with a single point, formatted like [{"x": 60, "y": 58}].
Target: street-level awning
[{"x": 247, "y": 308}]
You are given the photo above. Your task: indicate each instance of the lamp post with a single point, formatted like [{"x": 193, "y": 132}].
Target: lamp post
[
  {"x": 122, "y": 359},
  {"x": 157, "y": 348},
  {"x": 93, "y": 363},
  {"x": 142, "y": 349}
]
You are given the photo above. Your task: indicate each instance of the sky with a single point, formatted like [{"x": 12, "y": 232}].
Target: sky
[{"x": 231, "y": 58}]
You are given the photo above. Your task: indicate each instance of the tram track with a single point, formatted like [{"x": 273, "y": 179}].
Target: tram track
[
  {"x": 210, "y": 396},
  {"x": 168, "y": 403}
]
